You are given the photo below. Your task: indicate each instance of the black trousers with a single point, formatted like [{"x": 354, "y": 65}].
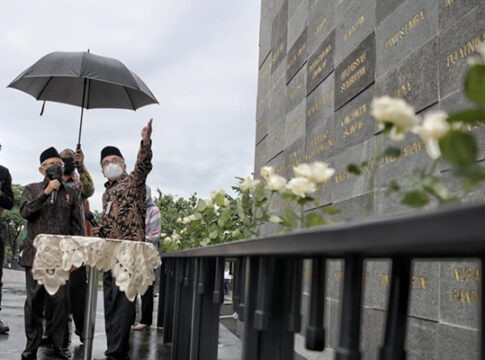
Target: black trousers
[
  {"x": 77, "y": 296},
  {"x": 2, "y": 259},
  {"x": 34, "y": 304},
  {"x": 118, "y": 317},
  {"x": 147, "y": 307}
]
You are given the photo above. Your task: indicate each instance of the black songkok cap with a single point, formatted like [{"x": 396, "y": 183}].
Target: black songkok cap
[
  {"x": 49, "y": 153},
  {"x": 110, "y": 150}
]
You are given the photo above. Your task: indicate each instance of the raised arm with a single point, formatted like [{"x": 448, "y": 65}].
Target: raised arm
[{"x": 144, "y": 161}]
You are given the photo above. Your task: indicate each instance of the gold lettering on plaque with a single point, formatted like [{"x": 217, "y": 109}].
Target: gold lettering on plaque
[
  {"x": 406, "y": 29},
  {"x": 406, "y": 151},
  {"x": 278, "y": 80},
  {"x": 317, "y": 66},
  {"x": 263, "y": 99},
  {"x": 353, "y": 72},
  {"x": 355, "y": 114},
  {"x": 295, "y": 124},
  {"x": 296, "y": 90},
  {"x": 320, "y": 26},
  {"x": 296, "y": 56},
  {"x": 320, "y": 103},
  {"x": 277, "y": 54},
  {"x": 354, "y": 27},
  {"x": 448, "y": 3},
  {"x": 467, "y": 49},
  {"x": 466, "y": 274},
  {"x": 466, "y": 296},
  {"x": 402, "y": 90}
]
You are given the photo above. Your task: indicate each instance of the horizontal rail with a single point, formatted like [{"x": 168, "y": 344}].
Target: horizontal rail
[{"x": 457, "y": 230}]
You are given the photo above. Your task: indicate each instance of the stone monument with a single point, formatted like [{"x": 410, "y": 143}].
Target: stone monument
[{"x": 321, "y": 62}]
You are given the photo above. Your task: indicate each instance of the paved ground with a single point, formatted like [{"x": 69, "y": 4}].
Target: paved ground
[{"x": 143, "y": 345}]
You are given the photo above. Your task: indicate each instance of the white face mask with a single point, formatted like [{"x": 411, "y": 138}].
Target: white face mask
[{"x": 112, "y": 171}]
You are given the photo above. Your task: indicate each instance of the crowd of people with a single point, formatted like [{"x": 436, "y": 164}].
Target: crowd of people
[{"x": 57, "y": 205}]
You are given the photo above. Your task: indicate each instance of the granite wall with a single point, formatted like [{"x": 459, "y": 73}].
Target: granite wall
[{"x": 320, "y": 64}]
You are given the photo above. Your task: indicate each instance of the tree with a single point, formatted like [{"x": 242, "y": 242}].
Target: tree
[
  {"x": 171, "y": 208},
  {"x": 13, "y": 225}
]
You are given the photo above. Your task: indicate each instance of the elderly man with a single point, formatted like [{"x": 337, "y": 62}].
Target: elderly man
[
  {"x": 6, "y": 202},
  {"x": 50, "y": 208},
  {"x": 124, "y": 209}
]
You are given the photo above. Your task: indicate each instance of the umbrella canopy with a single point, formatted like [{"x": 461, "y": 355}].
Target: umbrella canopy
[{"x": 60, "y": 77}]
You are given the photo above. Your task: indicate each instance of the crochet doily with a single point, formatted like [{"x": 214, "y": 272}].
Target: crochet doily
[{"x": 131, "y": 262}]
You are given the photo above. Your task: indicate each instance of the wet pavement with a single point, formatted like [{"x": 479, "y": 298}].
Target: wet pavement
[{"x": 144, "y": 345}]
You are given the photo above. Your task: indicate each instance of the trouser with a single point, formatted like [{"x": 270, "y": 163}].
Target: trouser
[
  {"x": 118, "y": 317},
  {"x": 77, "y": 297},
  {"x": 147, "y": 307},
  {"x": 2, "y": 259},
  {"x": 59, "y": 310}
]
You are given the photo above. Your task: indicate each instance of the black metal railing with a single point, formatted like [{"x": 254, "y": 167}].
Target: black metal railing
[{"x": 268, "y": 283}]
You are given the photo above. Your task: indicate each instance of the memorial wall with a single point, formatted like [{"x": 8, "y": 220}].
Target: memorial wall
[{"x": 321, "y": 62}]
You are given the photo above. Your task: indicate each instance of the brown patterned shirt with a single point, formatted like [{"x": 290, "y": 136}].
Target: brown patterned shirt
[
  {"x": 124, "y": 203},
  {"x": 62, "y": 218}
]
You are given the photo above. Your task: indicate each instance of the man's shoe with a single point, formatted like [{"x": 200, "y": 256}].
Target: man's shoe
[
  {"x": 140, "y": 327},
  {"x": 3, "y": 327},
  {"x": 62, "y": 352},
  {"x": 29, "y": 355},
  {"x": 78, "y": 333}
]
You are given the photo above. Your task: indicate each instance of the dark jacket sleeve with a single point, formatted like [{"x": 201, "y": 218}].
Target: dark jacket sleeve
[
  {"x": 6, "y": 193},
  {"x": 31, "y": 202},
  {"x": 77, "y": 220}
]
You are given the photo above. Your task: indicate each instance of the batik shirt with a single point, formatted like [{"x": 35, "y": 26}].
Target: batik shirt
[
  {"x": 153, "y": 226},
  {"x": 61, "y": 218},
  {"x": 124, "y": 204}
]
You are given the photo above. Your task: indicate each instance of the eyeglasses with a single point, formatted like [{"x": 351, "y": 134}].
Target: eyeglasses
[
  {"x": 49, "y": 164},
  {"x": 113, "y": 161}
]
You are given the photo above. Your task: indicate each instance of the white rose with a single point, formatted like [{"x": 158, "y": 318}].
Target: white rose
[
  {"x": 301, "y": 186},
  {"x": 320, "y": 172},
  {"x": 217, "y": 192},
  {"x": 434, "y": 127},
  {"x": 276, "y": 183},
  {"x": 226, "y": 202},
  {"x": 396, "y": 112},
  {"x": 168, "y": 239},
  {"x": 267, "y": 171},
  {"x": 179, "y": 220},
  {"x": 205, "y": 242},
  {"x": 248, "y": 184},
  {"x": 209, "y": 203},
  {"x": 303, "y": 170}
]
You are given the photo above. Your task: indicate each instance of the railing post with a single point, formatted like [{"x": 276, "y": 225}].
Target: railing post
[
  {"x": 161, "y": 294},
  {"x": 208, "y": 314},
  {"x": 182, "y": 313},
  {"x": 293, "y": 274},
  {"x": 268, "y": 301},
  {"x": 218, "y": 296},
  {"x": 348, "y": 348},
  {"x": 315, "y": 334},
  {"x": 169, "y": 302},
  {"x": 196, "y": 308},
  {"x": 482, "y": 324},
  {"x": 249, "y": 279},
  {"x": 397, "y": 310}
]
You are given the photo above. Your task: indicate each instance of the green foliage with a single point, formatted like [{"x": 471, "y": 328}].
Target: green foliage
[
  {"x": 475, "y": 84},
  {"x": 417, "y": 198},
  {"x": 458, "y": 148},
  {"x": 13, "y": 225}
]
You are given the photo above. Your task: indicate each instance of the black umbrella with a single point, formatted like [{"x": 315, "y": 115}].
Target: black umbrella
[{"x": 86, "y": 80}]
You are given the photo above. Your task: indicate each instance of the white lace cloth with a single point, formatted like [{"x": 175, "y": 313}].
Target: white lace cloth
[{"x": 131, "y": 262}]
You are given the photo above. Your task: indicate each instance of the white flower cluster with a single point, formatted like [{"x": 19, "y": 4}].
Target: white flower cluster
[{"x": 400, "y": 115}]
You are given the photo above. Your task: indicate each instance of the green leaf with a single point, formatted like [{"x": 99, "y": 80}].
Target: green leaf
[
  {"x": 458, "y": 148},
  {"x": 475, "y": 84},
  {"x": 315, "y": 219},
  {"x": 290, "y": 218},
  {"x": 392, "y": 152},
  {"x": 219, "y": 200},
  {"x": 416, "y": 198},
  {"x": 260, "y": 193},
  {"x": 330, "y": 210},
  {"x": 201, "y": 206},
  {"x": 213, "y": 234},
  {"x": 353, "y": 169},
  {"x": 467, "y": 116},
  {"x": 287, "y": 195}
]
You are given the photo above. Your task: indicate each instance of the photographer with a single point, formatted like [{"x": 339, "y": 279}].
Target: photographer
[
  {"x": 6, "y": 202},
  {"x": 50, "y": 208}
]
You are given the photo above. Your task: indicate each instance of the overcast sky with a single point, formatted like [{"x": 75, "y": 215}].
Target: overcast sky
[{"x": 199, "y": 58}]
